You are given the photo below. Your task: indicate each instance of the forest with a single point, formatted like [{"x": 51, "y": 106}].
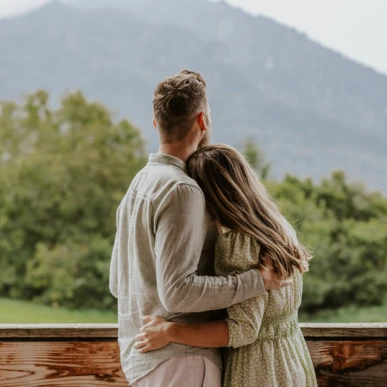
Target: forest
[{"x": 64, "y": 170}]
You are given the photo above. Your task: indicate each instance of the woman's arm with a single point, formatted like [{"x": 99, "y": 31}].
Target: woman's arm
[
  {"x": 235, "y": 253},
  {"x": 159, "y": 332},
  {"x": 241, "y": 328},
  {"x": 205, "y": 335},
  {"x": 244, "y": 319}
]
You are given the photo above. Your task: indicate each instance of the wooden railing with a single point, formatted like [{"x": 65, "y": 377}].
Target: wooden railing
[{"x": 88, "y": 355}]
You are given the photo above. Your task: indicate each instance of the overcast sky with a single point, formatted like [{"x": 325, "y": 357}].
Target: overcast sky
[{"x": 356, "y": 28}]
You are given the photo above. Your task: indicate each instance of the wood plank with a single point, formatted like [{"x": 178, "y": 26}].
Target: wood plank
[
  {"x": 92, "y": 363},
  {"x": 51, "y": 364},
  {"x": 350, "y": 363},
  {"x": 344, "y": 330},
  {"x": 58, "y": 331},
  {"x": 110, "y": 331}
]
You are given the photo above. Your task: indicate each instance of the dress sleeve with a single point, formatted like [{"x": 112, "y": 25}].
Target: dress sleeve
[{"x": 236, "y": 253}]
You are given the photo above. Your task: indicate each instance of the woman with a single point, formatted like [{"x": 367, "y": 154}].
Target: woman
[{"x": 265, "y": 344}]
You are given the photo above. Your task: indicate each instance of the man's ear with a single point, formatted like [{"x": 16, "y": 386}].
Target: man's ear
[
  {"x": 202, "y": 121},
  {"x": 154, "y": 124}
]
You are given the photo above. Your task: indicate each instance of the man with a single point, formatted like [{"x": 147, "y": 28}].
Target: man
[{"x": 162, "y": 261}]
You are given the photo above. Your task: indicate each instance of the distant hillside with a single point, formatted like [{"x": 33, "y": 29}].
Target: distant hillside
[{"x": 311, "y": 109}]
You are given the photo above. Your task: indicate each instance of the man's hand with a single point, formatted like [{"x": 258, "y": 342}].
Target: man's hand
[{"x": 271, "y": 279}]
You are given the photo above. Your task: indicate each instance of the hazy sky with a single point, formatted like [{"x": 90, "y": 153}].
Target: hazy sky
[{"x": 356, "y": 28}]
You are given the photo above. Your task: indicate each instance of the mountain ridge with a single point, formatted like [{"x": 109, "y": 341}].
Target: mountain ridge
[{"x": 117, "y": 57}]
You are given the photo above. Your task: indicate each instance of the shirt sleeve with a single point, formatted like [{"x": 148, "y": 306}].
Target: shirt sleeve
[
  {"x": 113, "y": 275},
  {"x": 180, "y": 232}
]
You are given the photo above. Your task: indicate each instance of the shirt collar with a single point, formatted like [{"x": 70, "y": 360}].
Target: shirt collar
[{"x": 161, "y": 158}]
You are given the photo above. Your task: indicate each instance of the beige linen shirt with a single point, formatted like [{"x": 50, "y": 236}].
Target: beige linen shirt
[{"x": 163, "y": 263}]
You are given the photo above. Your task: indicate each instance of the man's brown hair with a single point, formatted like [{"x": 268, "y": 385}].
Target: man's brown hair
[{"x": 176, "y": 102}]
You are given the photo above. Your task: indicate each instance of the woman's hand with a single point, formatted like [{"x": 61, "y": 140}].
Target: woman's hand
[{"x": 155, "y": 334}]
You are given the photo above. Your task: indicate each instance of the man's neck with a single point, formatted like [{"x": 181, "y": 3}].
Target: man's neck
[{"x": 178, "y": 150}]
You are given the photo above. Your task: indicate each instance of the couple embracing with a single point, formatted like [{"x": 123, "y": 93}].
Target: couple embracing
[{"x": 207, "y": 271}]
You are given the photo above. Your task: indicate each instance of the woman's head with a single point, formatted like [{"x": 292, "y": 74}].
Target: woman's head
[{"x": 238, "y": 200}]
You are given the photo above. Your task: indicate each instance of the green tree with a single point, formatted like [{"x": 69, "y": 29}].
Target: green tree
[
  {"x": 256, "y": 158},
  {"x": 64, "y": 171},
  {"x": 62, "y": 174},
  {"x": 346, "y": 229}
]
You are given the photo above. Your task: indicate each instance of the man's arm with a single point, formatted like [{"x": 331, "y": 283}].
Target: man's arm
[
  {"x": 180, "y": 234},
  {"x": 113, "y": 276}
]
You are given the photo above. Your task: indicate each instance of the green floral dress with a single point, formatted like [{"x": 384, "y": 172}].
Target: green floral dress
[{"x": 266, "y": 347}]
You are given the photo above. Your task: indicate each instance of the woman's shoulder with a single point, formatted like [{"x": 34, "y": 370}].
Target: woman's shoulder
[
  {"x": 234, "y": 236},
  {"x": 236, "y": 251}
]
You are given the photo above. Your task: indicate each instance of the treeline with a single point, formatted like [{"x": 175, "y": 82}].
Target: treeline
[{"x": 64, "y": 171}]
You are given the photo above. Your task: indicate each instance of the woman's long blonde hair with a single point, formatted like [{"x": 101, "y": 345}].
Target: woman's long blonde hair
[{"x": 238, "y": 201}]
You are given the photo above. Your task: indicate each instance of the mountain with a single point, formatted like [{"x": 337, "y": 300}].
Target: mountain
[{"x": 311, "y": 109}]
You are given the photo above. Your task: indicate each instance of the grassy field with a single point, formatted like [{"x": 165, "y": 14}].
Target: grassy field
[
  {"x": 26, "y": 312},
  {"x": 352, "y": 314}
]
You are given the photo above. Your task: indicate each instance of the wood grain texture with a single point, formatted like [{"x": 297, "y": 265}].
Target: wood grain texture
[
  {"x": 110, "y": 331},
  {"x": 350, "y": 363},
  {"x": 344, "y": 330},
  {"x": 58, "y": 331},
  {"x": 49, "y": 364},
  {"x": 88, "y": 355}
]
